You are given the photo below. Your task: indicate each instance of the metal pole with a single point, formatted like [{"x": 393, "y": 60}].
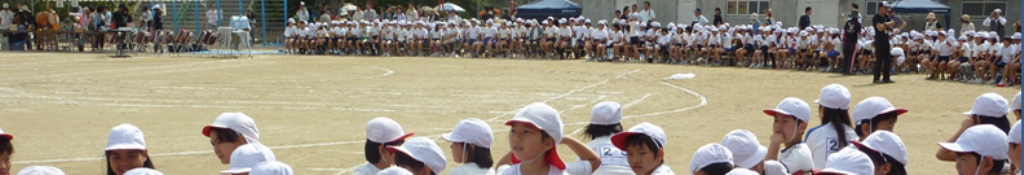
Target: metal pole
[
  {"x": 218, "y": 14},
  {"x": 195, "y": 9},
  {"x": 175, "y": 4},
  {"x": 263, "y": 17},
  {"x": 240, "y": 10}
]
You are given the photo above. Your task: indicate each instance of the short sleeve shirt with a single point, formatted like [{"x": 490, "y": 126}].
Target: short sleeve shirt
[{"x": 797, "y": 158}]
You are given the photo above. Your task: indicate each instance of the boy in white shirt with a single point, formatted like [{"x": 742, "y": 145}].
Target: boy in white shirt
[
  {"x": 290, "y": 36},
  {"x": 663, "y": 42},
  {"x": 644, "y": 145},
  {"x": 564, "y": 39},
  {"x": 791, "y": 117},
  {"x": 489, "y": 34},
  {"x": 381, "y": 133},
  {"x": 597, "y": 45}
]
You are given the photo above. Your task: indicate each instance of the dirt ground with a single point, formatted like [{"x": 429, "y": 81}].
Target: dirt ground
[{"x": 312, "y": 109}]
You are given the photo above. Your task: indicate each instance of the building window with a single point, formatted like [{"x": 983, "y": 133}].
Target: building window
[
  {"x": 982, "y": 9},
  {"x": 872, "y": 7},
  {"x": 745, "y": 7}
]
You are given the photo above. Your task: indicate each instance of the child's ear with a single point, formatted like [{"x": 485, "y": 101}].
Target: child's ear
[
  {"x": 987, "y": 163},
  {"x": 885, "y": 168},
  {"x": 661, "y": 155},
  {"x": 803, "y": 126}
]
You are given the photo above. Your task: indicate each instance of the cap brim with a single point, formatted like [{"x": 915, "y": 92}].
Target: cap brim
[
  {"x": 899, "y": 111},
  {"x": 125, "y": 147},
  {"x": 520, "y": 120},
  {"x": 448, "y": 137},
  {"x": 7, "y": 136},
  {"x": 858, "y": 144},
  {"x": 236, "y": 170},
  {"x": 403, "y": 137},
  {"x": 772, "y": 112},
  {"x": 828, "y": 171},
  {"x": 396, "y": 149},
  {"x": 954, "y": 147},
  {"x": 206, "y": 130},
  {"x": 619, "y": 139}
]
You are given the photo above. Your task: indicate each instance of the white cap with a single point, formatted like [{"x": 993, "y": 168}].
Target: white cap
[
  {"x": 6, "y": 5},
  {"x": 792, "y": 106},
  {"x": 543, "y": 117},
  {"x": 125, "y": 137},
  {"x": 156, "y": 6},
  {"x": 746, "y": 150},
  {"x": 986, "y": 140},
  {"x": 887, "y": 143},
  {"x": 990, "y": 105},
  {"x": 651, "y": 130},
  {"x": 606, "y": 113},
  {"x": 656, "y": 24},
  {"x": 247, "y": 156},
  {"x": 143, "y": 171},
  {"x": 394, "y": 171},
  {"x": 1015, "y": 103},
  {"x": 742, "y": 171},
  {"x": 272, "y": 168},
  {"x": 873, "y": 106},
  {"x": 8, "y": 136},
  {"x": 472, "y": 131},
  {"x": 1016, "y": 36},
  {"x": 562, "y": 21},
  {"x": 302, "y": 2},
  {"x": 711, "y": 153},
  {"x": 424, "y": 150},
  {"x": 849, "y": 161},
  {"x": 40, "y": 170},
  {"x": 773, "y": 167},
  {"x": 385, "y": 130},
  {"x": 1014, "y": 135},
  {"x": 238, "y": 122},
  {"x": 834, "y": 96}
]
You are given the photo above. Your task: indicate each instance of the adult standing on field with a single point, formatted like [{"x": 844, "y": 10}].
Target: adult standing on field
[
  {"x": 850, "y": 36},
  {"x": 883, "y": 60},
  {"x": 647, "y": 14},
  {"x": 996, "y": 22},
  {"x": 805, "y": 20}
]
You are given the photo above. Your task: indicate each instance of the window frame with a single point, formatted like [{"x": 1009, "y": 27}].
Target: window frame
[
  {"x": 983, "y": 7},
  {"x": 756, "y": 4}
]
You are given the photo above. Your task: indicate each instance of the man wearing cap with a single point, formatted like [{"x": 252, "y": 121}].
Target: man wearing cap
[
  {"x": 420, "y": 155},
  {"x": 247, "y": 157},
  {"x": 698, "y": 18},
  {"x": 711, "y": 159},
  {"x": 981, "y": 150},
  {"x": 883, "y": 60},
  {"x": 228, "y": 132},
  {"x": 380, "y": 133},
  {"x": 996, "y": 22}
]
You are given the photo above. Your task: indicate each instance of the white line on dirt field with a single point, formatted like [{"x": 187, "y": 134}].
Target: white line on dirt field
[
  {"x": 494, "y": 119},
  {"x": 703, "y": 102}
]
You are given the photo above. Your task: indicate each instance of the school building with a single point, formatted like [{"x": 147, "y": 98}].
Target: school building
[{"x": 825, "y": 12}]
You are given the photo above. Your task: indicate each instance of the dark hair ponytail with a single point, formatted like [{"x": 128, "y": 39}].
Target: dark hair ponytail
[
  {"x": 837, "y": 118},
  {"x": 594, "y": 130},
  {"x": 1000, "y": 122}
]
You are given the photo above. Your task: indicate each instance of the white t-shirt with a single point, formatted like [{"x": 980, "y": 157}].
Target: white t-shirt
[
  {"x": 635, "y": 27},
  {"x": 581, "y": 32},
  {"x": 797, "y": 158},
  {"x": 824, "y": 140},
  {"x": 945, "y": 48},
  {"x": 490, "y": 32},
  {"x": 288, "y": 32},
  {"x": 474, "y": 32},
  {"x": 6, "y": 17},
  {"x": 610, "y": 155},
  {"x": 572, "y": 168},
  {"x": 1008, "y": 52},
  {"x": 550, "y": 32},
  {"x": 664, "y": 39},
  {"x": 366, "y": 169},
  {"x": 663, "y": 170},
  {"x": 470, "y": 169},
  {"x": 727, "y": 41},
  {"x": 598, "y": 34},
  {"x": 565, "y": 33}
]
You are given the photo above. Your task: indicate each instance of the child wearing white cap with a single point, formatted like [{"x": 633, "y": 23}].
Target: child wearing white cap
[
  {"x": 887, "y": 152},
  {"x": 605, "y": 121},
  {"x": 247, "y": 157},
  {"x": 772, "y": 167},
  {"x": 6, "y": 151},
  {"x": 419, "y": 155},
  {"x": 644, "y": 145},
  {"x": 143, "y": 171},
  {"x": 747, "y": 152},
  {"x": 826, "y": 139},
  {"x": 395, "y": 171},
  {"x": 1015, "y": 105},
  {"x": 126, "y": 150},
  {"x": 982, "y": 149},
  {"x": 791, "y": 116},
  {"x": 39, "y": 170},
  {"x": 380, "y": 133},
  {"x": 711, "y": 159},
  {"x": 272, "y": 168},
  {"x": 229, "y": 131},
  {"x": 534, "y": 134},
  {"x": 989, "y": 108},
  {"x": 471, "y": 145},
  {"x": 1014, "y": 144},
  {"x": 875, "y": 114},
  {"x": 848, "y": 162}
]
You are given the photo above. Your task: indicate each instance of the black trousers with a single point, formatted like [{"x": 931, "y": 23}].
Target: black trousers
[
  {"x": 846, "y": 65},
  {"x": 883, "y": 63}
]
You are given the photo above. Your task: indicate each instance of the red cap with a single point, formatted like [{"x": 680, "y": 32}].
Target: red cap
[{"x": 551, "y": 158}]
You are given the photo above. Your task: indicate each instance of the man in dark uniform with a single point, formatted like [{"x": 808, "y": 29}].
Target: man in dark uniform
[
  {"x": 805, "y": 20},
  {"x": 850, "y": 37},
  {"x": 883, "y": 59}
]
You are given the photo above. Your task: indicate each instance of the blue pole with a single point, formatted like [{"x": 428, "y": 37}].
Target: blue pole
[
  {"x": 263, "y": 17},
  {"x": 195, "y": 10},
  {"x": 175, "y": 4},
  {"x": 218, "y": 14},
  {"x": 240, "y": 10}
]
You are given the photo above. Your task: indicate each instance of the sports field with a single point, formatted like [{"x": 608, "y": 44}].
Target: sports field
[{"x": 312, "y": 109}]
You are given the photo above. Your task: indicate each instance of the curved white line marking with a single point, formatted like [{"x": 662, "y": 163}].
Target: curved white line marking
[
  {"x": 703, "y": 102},
  {"x": 494, "y": 119}
]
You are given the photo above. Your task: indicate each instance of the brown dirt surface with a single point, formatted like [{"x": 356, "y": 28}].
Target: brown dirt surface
[{"x": 312, "y": 109}]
